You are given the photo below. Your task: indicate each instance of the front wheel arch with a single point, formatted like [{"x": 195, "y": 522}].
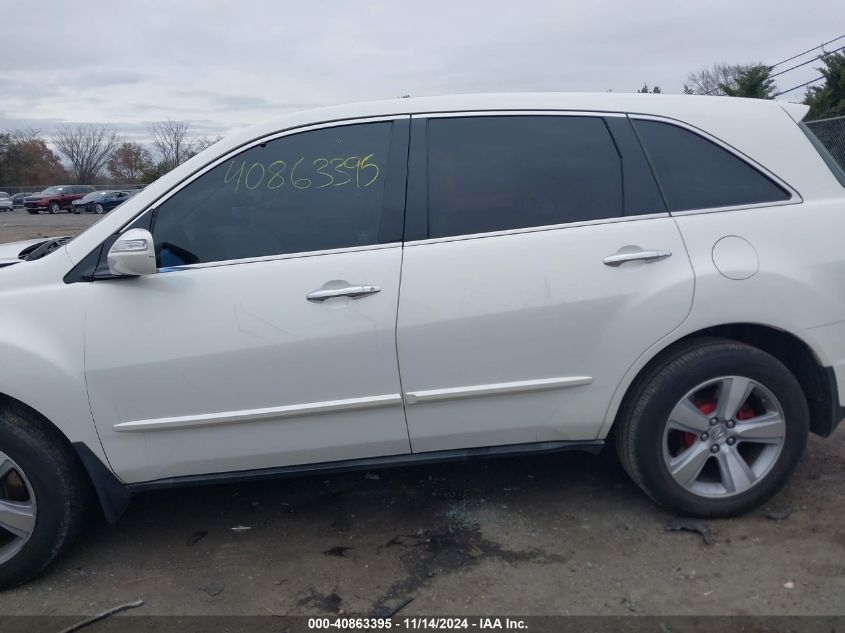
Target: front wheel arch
[{"x": 112, "y": 494}]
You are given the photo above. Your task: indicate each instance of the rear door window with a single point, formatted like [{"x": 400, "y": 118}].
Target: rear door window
[
  {"x": 695, "y": 173},
  {"x": 496, "y": 173}
]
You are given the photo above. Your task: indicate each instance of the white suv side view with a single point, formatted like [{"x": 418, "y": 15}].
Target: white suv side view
[{"x": 398, "y": 282}]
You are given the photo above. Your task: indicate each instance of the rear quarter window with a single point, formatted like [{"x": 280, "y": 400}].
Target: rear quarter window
[{"x": 696, "y": 173}]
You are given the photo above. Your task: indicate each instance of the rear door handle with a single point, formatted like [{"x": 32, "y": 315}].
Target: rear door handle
[
  {"x": 347, "y": 291},
  {"x": 647, "y": 256}
]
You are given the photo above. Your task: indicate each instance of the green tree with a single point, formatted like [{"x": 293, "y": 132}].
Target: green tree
[
  {"x": 156, "y": 171},
  {"x": 646, "y": 90},
  {"x": 828, "y": 99},
  {"x": 753, "y": 82}
]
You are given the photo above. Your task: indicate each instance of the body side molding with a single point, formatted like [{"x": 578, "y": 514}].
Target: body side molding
[
  {"x": 495, "y": 389},
  {"x": 253, "y": 415}
]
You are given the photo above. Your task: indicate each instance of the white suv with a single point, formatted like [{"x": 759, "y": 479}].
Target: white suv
[{"x": 420, "y": 279}]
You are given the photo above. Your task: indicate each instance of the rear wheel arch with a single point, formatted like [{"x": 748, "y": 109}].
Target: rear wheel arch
[{"x": 817, "y": 381}]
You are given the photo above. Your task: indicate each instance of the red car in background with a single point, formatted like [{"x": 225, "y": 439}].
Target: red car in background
[{"x": 54, "y": 199}]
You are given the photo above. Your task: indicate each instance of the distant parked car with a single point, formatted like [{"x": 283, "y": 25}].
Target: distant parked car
[
  {"x": 6, "y": 202},
  {"x": 100, "y": 201},
  {"x": 18, "y": 198},
  {"x": 54, "y": 199}
]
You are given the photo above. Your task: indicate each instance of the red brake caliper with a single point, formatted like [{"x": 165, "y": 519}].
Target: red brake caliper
[{"x": 745, "y": 413}]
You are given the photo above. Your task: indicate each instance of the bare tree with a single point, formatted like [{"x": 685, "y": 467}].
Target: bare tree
[
  {"x": 204, "y": 142},
  {"x": 173, "y": 142},
  {"x": 87, "y": 147},
  {"x": 709, "y": 81}
]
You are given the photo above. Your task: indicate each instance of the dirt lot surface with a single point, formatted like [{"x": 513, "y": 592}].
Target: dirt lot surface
[
  {"x": 559, "y": 534},
  {"x": 20, "y": 225}
]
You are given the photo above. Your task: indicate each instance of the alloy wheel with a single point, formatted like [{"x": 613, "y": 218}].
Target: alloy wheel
[
  {"x": 17, "y": 508},
  {"x": 724, "y": 436}
]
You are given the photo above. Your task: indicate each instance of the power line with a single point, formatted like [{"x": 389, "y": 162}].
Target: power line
[
  {"x": 789, "y": 59},
  {"x": 809, "y": 61},
  {"x": 806, "y": 83},
  {"x": 823, "y": 44}
]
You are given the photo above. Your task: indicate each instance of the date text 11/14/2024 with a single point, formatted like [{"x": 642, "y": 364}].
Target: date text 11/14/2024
[
  {"x": 419, "y": 623},
  {"x": 328, "y": 172}
]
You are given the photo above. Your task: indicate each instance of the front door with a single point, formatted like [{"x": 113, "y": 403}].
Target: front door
[{"x": 267, "y": 338}]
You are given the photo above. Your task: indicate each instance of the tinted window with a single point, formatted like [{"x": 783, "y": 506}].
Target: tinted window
[
  {"x": 506, "y": 172},
  {"x": 695, "y": 173},
  {"x": 311, "y": 191}
]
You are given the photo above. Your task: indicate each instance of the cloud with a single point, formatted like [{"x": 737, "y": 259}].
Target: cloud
[{"x": 226, "y": 65}]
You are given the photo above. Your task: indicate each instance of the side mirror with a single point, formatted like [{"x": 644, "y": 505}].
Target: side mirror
[{"x": 133, "y": 254}]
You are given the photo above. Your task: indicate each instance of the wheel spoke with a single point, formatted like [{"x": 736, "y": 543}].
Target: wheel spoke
[
  {"x": 6, "y": 465},
  {"x": 737, "y": 476},
  {"x": 768, "y": 428},
  {"x": 686, "y": 467},
  {"x": 17, "y": 518},
  {"x": 733, "y": 392},
  {"x": 686, "y": 417}
]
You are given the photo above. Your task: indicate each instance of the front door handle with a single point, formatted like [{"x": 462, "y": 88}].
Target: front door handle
[
  {"x": 647, "y": 256},
  {"x": 347, "y": 291}
]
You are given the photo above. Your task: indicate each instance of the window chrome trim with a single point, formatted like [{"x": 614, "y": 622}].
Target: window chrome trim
[
  {"x": 596, "y": 114},
  {"x": 282, "y": 256},
  {"x": 538, "y": 229},
  {"x": 795, "y": 197}
]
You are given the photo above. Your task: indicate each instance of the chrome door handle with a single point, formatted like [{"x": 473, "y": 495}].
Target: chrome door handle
[
  {"x": 648, "y": 256},
  {"x": 347, "y": 291}
]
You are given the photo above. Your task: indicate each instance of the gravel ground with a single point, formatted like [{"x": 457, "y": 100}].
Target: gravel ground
[
  {"x": 20, "y": 225},
  {"x": 561, "y": 534}
]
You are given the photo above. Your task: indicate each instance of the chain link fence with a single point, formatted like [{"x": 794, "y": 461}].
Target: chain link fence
[{"x": 831, "y": 134}]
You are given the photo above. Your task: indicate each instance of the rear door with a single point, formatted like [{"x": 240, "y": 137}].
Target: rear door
[{"x": 540, "y": 263}]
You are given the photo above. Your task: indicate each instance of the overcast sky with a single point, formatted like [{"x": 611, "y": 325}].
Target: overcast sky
[{"x": 223, "y": 65}]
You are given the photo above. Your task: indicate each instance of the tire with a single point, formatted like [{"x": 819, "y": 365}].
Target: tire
[
  {"x": 662, "y": 428},
  {"x": 54, "y": 208},
  {"x": 99, "y": 209},
  {"x": 46, "y": 472}
]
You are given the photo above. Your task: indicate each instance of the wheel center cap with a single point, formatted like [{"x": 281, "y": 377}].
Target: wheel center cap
[{"x": 718, "y": 433}]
